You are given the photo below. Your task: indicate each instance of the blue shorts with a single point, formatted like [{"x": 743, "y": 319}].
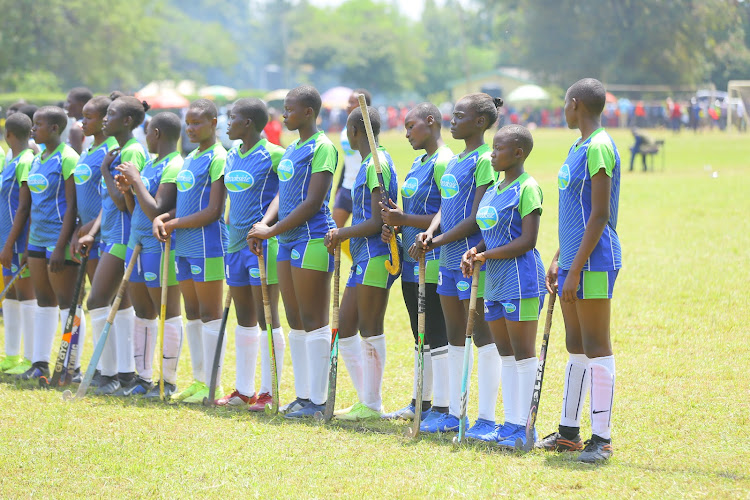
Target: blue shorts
[
  {"x": 307, "y": 254},
  {"x": 148, "y": 269},
  {"x": 241, "y": 267},
  {"x": 410, "y": 271},
  {"x": 513, "y": 309},
  {"x": 343, "y": 199},
  {"x": 46, "y": 252},
  {"x": 15, "y": 265},
  {"x": 95, "y": 251},
  {"x": 451, "y": 283},
  {"x": 593, "y": 284},
  {"x": 119, "y": 250},
  {"x": 200, "y": 269},
  {"x": 371, "y": 273}
]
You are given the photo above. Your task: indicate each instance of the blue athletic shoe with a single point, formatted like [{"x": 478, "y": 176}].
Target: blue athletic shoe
[
  {"x": 482, "y": 430},
  {"x": 428, "y": 422},
  {"x": 405, "y": 413},
  {"x": 306, "y": 412},
  {"x": 444, "y": 423},
  {"x": 503, "y": 431},
  {"x": 510, "y": 441}
]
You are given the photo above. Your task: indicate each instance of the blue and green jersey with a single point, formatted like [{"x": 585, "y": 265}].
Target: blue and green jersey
[
  {"x": 88, "y": 176},
  {"x": 14, "y": 173}
]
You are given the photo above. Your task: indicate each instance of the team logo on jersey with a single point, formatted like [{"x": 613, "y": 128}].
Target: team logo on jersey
[
  {"x": 410, "y": 187},
  {"x": 37, "y": 183},
  {"x": 563, "y": 177},
  {"x": 285, "y": 171},
  {"x": 146, "y": 182},
  {"x": 150, "y": 276},
  {"x": 185, "y": 181},
  {"x": 82, "y": 174},
  {"x": 255, "y": 272},
  {"x": 359, "y": 270},
  {"x": 487, "y": 217},
  {"x": 416, "y": 270},
  {"x": 102, "y": 183},
  {"x": 195, "y": 269},
  {"x": 238, "y": 181},
  {"x": 449, "y": 186},
  {"x": 295, "y": 254},
  {"x": 509, "y": 308},
  {"x": 462, "y": 285},
  {"x": 13, "y": 268}
]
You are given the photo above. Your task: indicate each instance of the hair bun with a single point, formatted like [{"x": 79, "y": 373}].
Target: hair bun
[
  {"x": 498, "y": 102},
  {"x": 146, "y": 106},
  {"x": 116, "y": 95}
]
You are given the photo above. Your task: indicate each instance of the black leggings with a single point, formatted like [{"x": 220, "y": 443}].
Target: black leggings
[{"x": 435, "y": 336}]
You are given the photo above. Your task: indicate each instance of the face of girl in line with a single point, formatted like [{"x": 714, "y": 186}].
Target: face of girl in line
[
  {"x": 199, "y": 126},
  {"x": 465, "y": 121}
]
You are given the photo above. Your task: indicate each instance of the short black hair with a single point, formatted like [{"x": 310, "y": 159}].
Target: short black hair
[
  {"x": 425, "y": 109},
  {"x": 19, "y": 125},
  {"x": 131, "y": 107},
  {"x": 308, "y": 96},
  {"x": 16, "y": 106},
  {"x": 484, "y": 105},
  {"x": 206, "y": 107},
  {"x": 100, "y": 103},
  {"x": 55, "y": 115},
  {"x": 591, "y": 93},
  {"x": 168, "y": 124},
  {"x": 356, "y": 117},
  {"x": 28, "y": 110},
  {"x": 520, "y": 135},
  {"x": 366, "y": 93},
  {"x": 80, "y": 94},
  {"x": 252, "y": 108}
]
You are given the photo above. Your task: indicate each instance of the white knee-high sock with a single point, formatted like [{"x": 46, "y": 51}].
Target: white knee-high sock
[
  {"x": 210, "y": 333},
  {"x": 195, "y": 344},
  {"x": 298, "y": 351},
  {"x": 440, "y": 377},
  {"x": 13, "y": 322},
  {"x": 351, "y": 352},
  {"x": 574, "y": 389},
  {"x": 45, "y": 329},
  {"x": 488, "y": 381},
  {"x": 145, "y": 335},
  {"x": 602, "y": 395},
  {"x": 509, "y": 379},
  {"x": 98, "y": 320},
  {"x": 124, "y": 324},
  {"x": 526, "y": 369},
  {"x": 427, "y": 377},
  {"x": 172, "y": 348},
  {"x": 374, "y": 367},
  {"x": 279, "y": 344},
  {"x": 318, "y": 353},
  {"x": 246, "y": 340},
  {"x": 456, "y": 362},
  {"x": 28, "y": 311},
  {"x": 64, "y": 313}
]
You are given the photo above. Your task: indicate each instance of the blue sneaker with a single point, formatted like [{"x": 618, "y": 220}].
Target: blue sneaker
[
  {"x": 428, "y": 422},
  {"x": 510, "y": 441},
  {"x": 444, "y": 423},
  {"x": 482, "y": 430},
  {"x": 294, "y": 406},
  {"x": 405, "y": 413},
  {"x": 307, "y": 411},
  {"x": 503, "y": 431}
]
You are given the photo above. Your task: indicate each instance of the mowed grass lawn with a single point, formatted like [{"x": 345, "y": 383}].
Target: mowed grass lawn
[{"x": 681, "y": 419}]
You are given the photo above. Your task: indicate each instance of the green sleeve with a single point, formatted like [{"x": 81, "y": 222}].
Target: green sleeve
[
  {"x": 372, "y": 175},
  {"x": 169, "y": 174},
  {"x": 134, "y": 155},
  {"x": 216, "y": 170},
  {"x": 23, "y": 168},
  {"x": 276, "y": 154},
  {"x": 325, "y": 157},
  {"x": 530, "y": 199},
  {"x": 69, "y": 162},
  {"x": 600, "y": 156},
  {"x": 441, "y": 163},
  {"x": 484, "y": 174}
]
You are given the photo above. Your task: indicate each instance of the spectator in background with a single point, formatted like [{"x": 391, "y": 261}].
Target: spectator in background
[{"x": 273, "y": 128}]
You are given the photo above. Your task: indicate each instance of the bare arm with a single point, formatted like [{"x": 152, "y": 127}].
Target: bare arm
[
  {"x": 57, "y": 259},
  {"x": 206, "y": 216},
  {"x": 19, "y": 222},
  {"x": 464, "y": 228}
]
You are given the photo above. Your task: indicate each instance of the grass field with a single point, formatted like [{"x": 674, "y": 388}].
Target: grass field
[{"x": 681, "y": 420}]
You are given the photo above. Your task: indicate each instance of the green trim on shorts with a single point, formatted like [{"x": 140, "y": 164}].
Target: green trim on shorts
[
  {"x": 272, "y": 248},
  {"x": 172, "y": 273},
  {"x": 68, "y": 253},
  {"x": 316, "y": 256},
  {"x": 376, "y": 274},
  {"x": 213, "y": 269},
  {"x": 432, "y": 271},
  {"x": 119, "y": 250},
  {"x": 25, "y": 273},
  {"x": 480, "y": 289},
  {"x": 595, "y": 285},
  {"x": 528, "y": 309}
]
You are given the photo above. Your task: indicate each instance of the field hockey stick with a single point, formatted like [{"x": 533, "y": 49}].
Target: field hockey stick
[
  {"x": 333, "y": 361},
  {"x": 467, "y": 353},
  {"x": 86, "y": 382},
  {"x": 74, "y": 351},
  {"x": 12, "y": 281},
  {"x": 63, "y": 352},
  {"x": 531, "y": 420},
  {"x": 163, "y": 312},
  {"x": 394, "y": 264},
  {"x": 209, "y": 401},
  {"x": 413, "y": 431},
  {"x": 273, "y": 408}
]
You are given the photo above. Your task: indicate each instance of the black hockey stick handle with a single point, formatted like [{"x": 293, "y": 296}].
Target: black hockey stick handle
[{"x": 217, "y": 353}]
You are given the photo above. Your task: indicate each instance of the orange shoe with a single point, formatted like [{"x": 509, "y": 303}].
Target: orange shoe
[
  {"x": 236, "y": 400},
  {"x": 261, "y": 402}
]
